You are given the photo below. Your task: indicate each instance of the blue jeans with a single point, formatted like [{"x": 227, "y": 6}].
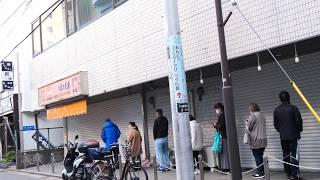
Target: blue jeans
[{"x": 162, "y": 152}]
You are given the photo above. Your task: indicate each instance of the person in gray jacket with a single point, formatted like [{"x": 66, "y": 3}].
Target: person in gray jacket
[{"x": 256, "y": 127}]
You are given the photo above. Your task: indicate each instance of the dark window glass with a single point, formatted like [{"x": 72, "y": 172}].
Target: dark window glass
[
  {"x": 71, "y": 23},
  {"x": 88, "y": 10},
  {"x": 118, "y": 2}
]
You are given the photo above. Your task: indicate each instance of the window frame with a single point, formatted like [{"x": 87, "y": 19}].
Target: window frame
[
  {"x": 40, "y": 36},
  {"x": 117, "y": 4},
  {"x": 76, "y": 22}
]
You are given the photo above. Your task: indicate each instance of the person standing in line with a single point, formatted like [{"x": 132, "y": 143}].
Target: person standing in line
[
  {"x": 196, "y": 141},
  {"x": 135, "y": 140},
  {"x": 160, "y": 134},
  {"x": 110, "y": 134},
  {"x": 256, "y": 127},
  {"x": 288, "y": 122},
  {"x": 221, "y": 128}
]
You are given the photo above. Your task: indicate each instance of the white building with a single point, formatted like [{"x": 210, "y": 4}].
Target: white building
[{"x": 121, "y": 46}]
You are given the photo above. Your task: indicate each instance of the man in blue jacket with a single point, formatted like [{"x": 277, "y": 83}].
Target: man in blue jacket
[{"x": 110, "y": 134}]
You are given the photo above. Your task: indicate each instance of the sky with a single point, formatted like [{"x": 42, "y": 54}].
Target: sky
[{"x": 10, "y": 24}]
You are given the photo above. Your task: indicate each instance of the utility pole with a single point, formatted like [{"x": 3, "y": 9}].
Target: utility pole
[
  {"x": 234, "y": 156},
  {"x": 178, "y": 93}
]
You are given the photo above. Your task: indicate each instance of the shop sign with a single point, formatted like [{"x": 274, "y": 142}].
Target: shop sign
[
  {"x": 7, "y": 75},
  {"x": 63, "y": 89}
]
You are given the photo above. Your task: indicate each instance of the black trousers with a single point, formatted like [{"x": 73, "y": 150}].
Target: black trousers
[
  {"x": 195, "y": 157},
  {"x": 289, "y": 149},
  {"x": 258, "y": 156}
]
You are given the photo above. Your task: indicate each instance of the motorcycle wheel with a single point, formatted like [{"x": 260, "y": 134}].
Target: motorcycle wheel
[
  {"x": 101, "y": 171},
  {"x": 81, "y": 173}
]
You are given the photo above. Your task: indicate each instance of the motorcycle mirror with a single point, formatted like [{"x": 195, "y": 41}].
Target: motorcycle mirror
[{"x": 77, "y": 137}]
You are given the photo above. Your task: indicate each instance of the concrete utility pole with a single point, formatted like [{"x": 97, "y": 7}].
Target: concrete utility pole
[
  {"x": 234, "y": 156},
  {"x": 178, "y": 93}
]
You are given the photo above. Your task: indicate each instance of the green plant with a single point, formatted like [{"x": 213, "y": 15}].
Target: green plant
[{"x": 9, "y": 157}]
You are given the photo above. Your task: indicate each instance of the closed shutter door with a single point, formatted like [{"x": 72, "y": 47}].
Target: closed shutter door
[
  {"x": 204, "y": 109},
  {"x": 263, "y": 88},
  {"x": 162, "y": 100},
  {"x": 121, "y": 111}
]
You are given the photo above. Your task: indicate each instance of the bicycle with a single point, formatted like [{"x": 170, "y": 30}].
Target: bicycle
[{"x": 106, "y": 169}]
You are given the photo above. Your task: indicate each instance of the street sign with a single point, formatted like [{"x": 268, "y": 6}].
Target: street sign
[
  {"x": 7, "y": 75},
  {"x": 28, "y": 128}
]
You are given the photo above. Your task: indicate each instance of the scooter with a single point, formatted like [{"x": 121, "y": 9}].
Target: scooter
[{"x": 76, "y": 158}]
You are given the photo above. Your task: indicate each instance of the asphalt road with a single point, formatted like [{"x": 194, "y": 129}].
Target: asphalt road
[{"x": 13, "y": 175}]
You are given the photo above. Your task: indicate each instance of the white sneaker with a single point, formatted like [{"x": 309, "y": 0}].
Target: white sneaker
[{"x": 196, "y": 172}]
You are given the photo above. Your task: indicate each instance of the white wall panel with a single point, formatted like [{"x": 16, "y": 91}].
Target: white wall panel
[{"x": 127, "y": 47}]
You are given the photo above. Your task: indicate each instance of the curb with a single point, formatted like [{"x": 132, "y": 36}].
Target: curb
[{"x": 39, "y": 173}]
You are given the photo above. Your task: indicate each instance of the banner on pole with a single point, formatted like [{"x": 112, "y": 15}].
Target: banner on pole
[{"x": 177, "y": 73}]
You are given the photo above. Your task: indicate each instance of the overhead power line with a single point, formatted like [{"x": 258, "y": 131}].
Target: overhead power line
[
  {"x": 55, "y": 5},
  {"x": 13, "y": 27},
  {"x": 11, "y": 15}
]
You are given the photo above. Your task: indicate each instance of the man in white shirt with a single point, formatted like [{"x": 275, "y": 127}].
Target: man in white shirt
[{"x": 196, "y": 140}]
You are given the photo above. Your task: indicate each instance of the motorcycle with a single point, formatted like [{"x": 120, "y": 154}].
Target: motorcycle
[{"x": 76, "y": 159}]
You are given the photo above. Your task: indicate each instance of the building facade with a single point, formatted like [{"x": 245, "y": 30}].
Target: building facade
[{"x": 122, "y": 47}]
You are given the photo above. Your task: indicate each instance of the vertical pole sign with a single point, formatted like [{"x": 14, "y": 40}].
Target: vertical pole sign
[
  {"x": 7, "y": 75},
  {"x": 178, "y": 93}
]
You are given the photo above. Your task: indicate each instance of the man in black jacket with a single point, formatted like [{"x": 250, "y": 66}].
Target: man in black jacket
[
  {"x": 288, "y": 122},
  {"x": 160, "y": 134}
]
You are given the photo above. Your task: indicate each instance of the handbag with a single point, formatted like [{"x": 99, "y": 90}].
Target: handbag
[
  {"x": 217, "y": 142},
  {"x": 246, "y": 138}
]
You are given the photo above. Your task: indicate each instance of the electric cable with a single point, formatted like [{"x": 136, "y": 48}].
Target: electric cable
[
  {"x": 294, "y": 85},
  {"x": 12, "y": 14},
  {"x": 57, "y": 3},
  {"x": 13, "y": 27}
]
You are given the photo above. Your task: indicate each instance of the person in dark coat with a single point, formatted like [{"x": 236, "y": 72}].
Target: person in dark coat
[
  {"x": 288, "y": 122},
  {"x": 160, "y": 134},
  {"x": 221, "y": 128}
]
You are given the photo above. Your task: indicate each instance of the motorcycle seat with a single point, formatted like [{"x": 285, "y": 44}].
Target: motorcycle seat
[{"x": 98, "y": 153}]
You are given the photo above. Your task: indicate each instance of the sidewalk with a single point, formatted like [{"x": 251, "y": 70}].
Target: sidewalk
[{"x": 47, "y": 171}]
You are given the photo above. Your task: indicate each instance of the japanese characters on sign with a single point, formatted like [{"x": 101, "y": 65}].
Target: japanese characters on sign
[
  {"x": 177, "y": 73},
  {"x": 69, "y": 87},
  {"x": 7, "y": 75}
]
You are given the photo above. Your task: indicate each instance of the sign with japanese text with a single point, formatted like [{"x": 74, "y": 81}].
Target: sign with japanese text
[
  {"x": 63, "y": 89},
  {"x": 7, "y": 75},
  {"x": 177, "y": 73}
]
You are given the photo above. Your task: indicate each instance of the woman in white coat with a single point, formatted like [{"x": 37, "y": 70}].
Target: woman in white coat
[{"x": 196, "y": 139}]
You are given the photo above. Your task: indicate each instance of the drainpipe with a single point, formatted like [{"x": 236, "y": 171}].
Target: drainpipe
[{"x": 145, "y": 124}]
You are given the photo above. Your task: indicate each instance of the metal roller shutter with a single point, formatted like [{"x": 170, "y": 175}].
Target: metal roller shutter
[
  {"x": 162, "y": 101},
  {"x": 204, "y": 109},
  {"x": 121, "y": 111},
  {"x": 263, "y": 88}
]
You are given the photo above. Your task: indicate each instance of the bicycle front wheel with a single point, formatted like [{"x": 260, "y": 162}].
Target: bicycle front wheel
[{"x": 136, "y": 173}]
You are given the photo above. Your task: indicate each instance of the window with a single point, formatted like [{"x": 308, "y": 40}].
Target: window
[
  {"x": 36, "y": 37},
  {"x": 60, "y": 21},
  {"x": 87, "y": 10},
  {"x": 53, "y": 28},
  {"x": 71, "y": 18}
]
